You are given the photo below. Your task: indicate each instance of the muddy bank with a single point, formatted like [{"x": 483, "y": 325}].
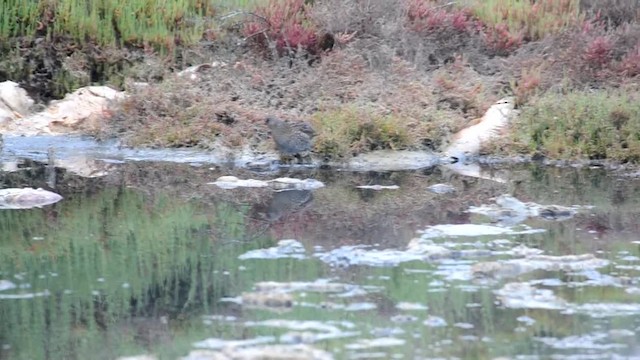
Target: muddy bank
[
  {"x": 424, "y": 78},
  {"x": 36, "y": 134}
]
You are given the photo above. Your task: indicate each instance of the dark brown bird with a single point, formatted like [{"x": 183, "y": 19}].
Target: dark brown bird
[{"x": 292, "y": 139}]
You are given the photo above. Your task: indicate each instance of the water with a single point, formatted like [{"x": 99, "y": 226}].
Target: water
[{"x": 151, "y": 259}]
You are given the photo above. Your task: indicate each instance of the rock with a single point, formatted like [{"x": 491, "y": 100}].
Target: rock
[
  {"x": 391, "y": 160},
  {"x": 6, "y": 285},
  {"x": 317, "y": 286},
  {"x": 14, "y": 103},
  {"x": 27, "y": 198},
  {"x": 265, "y": 299},
  {"x": 291, "y": 139},
  {"x": 78, "y": 111},
  {"x": 468, "y": 141},
  {"x": 378, "y": 187},
  {"x": 517, "y": 267},
  {"x": 441, "y": 189},
  {"x": 193, "y": 71},
  {"x": 525, "y": 296},
  {"x": 14, "y": 100},
  {"x": 217, "y": 344},
  {"x": 272, "y": 352},
  {"x": 295, "y": 184},
  {"x": 509, "y": 210},
  {"x": 288, "y": 248},
  {"x": 138, "y": 357},
  {"x": 232, "y": 182}
]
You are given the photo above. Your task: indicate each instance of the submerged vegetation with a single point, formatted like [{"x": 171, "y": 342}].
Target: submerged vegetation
[{"x": 420, "y": 71}]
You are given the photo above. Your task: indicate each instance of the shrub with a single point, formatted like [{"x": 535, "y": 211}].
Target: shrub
[
  {"x": 608, "y": 55},
  {"x": 349, "y": 131},
  {"x": 284, "y": 25},
  {"x": 423, "y": 16},
  {"x": 534, "y": 19},
  {"x": 590, "y": 55},
  {"x": 612, "y": 12},
  {"x": 598, "y": 52},
  {"x": 629, "y": 65},
  {"x": 501, "y": 40},
  {"x": 527, "y": 84},
  {"x": 504, "y": 25},
  {"x": 172, "y": 114},
  {"x": 583, "y": 124}
]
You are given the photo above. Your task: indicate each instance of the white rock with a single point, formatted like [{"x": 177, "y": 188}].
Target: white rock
[
  {"x": 295, "y": 184},
  {"x": 232, "y": 182},
  {"x": 192, "y": 71},
  {"x": 81, "y": 109},
  {"x": 379, "y": 187},
  {"x": 6, "y": 285},
  {"x": 138, "y": 357},
  {"x": 26, "y": 198},
  {"x": 14, "y": 99}
]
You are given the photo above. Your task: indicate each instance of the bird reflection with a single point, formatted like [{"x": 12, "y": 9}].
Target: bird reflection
[{"x": 285, "y": 203}]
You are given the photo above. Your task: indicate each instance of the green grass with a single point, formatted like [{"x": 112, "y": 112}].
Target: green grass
[
  {"x": 349, "y": 131},
  {"x": 583, "y": 124},
  {"x": 134, "y": 22},
  {"x": 534, "y": 20}
]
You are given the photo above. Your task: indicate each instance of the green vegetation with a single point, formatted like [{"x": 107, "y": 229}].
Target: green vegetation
[
  {"x": 108, "y": 261},
  {"x": 56, "y": 46},
  {"x": 351, "y": 131},
  {"x": 583, "y": 124},
  {"x": 159, "y": 23},
  {"x": 531, "y": 20},
  {"x": 423, "y": 70}
]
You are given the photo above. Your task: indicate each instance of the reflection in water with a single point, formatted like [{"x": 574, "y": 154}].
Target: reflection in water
[
  {"x": 151, "y": 260},
  {"x": 285, "y": 203},
  {"x": 107, "y": 263}
]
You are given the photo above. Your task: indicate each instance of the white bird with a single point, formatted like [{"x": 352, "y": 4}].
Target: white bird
[{"x": 468, "y": 141}]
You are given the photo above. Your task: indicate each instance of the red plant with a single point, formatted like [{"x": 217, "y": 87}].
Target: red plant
[
  {"x": 629, "y": 65},
  {"x": 295, "y": 35},
  {"x": 501, "y": 40},
  {"x": 425, "y": 17},
  {"x": 461, "y": 20},
  {"x": 528, "y": 83},
  {"x": 598, "y": 52},
  {"x": 284, "y": 22}
]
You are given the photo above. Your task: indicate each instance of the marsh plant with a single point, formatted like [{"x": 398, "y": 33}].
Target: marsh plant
[{"x": 584, "y": 124}]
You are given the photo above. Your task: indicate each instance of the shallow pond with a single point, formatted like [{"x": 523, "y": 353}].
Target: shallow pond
[{"x": 151, "y": 258}]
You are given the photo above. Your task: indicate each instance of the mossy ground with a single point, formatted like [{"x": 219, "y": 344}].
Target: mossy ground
[{"x": 408, "y": 80}]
